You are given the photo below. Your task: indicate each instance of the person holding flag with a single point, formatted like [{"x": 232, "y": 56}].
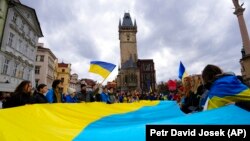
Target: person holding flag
[{"x": 103, "y": 69}]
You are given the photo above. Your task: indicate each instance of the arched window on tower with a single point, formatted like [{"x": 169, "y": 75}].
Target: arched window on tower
[
  {"x": 135, "y": 78},
  {"x": 126, "y": 79}
]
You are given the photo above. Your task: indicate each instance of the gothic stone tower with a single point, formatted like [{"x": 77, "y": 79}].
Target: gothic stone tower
[
  {"x": 245, "y": 60},
  {"x": 128, "y": 75}
]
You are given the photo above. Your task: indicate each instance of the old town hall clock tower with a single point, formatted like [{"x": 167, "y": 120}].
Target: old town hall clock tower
[{"x": 128, "y": 75}]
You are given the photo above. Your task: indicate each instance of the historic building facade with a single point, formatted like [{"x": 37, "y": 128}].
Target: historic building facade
[
  {"x": 18, "y": 46},
  {"x": 74, "y": 82},
  {"x": 147, "y": 75},
  {"x": 128, "y": 77},
  {"x": 45, "y": 66},
  {"x": 63, "y": 73}
]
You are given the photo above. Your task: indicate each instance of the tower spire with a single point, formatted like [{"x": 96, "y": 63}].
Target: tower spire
[{"x": 120, "y": 23}]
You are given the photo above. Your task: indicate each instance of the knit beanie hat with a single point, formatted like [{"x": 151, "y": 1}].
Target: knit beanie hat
[{"x": 71, "y": 90}]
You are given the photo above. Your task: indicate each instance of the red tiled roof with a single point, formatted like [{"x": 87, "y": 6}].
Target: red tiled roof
[{"x": 62, "y": 65}]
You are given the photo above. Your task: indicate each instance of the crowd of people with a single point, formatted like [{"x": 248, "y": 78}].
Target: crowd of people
[{"x": 213, "y": 89}]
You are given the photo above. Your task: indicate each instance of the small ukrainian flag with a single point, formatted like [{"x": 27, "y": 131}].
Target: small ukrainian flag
[
  {"x": 101, "y": 68},
  {"x": 182, "y": 71}
]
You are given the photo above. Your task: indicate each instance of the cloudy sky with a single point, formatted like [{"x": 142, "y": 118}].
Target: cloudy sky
[{"x": 196, "y": 32}]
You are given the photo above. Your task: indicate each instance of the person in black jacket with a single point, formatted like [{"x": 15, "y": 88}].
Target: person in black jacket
[
  {"x": 21, "y": 96},
  {"x": 39, "y": 95}
]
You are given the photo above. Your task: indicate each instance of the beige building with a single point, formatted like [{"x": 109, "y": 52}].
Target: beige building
[
  {"x": 18, "y": 47},
  {"x": 74, "y": 82},
  {"x": 45, "y": 66},
  {"x": 245, "y": 60},
  {"x": 63, "y": 73}
]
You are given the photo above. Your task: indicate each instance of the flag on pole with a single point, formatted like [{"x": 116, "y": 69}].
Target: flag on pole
[
  {"x": 182, "y": 71},
  {"x": 101, "y": 68}
]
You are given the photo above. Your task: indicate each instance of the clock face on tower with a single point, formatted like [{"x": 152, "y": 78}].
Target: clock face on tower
[{"x": 128, "y": 37}]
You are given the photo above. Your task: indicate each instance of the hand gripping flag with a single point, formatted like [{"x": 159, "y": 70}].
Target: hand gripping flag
[{"x": 101, "y": 68}]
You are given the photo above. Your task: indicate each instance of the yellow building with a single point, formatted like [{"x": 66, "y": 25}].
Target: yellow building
[{"x": 63, "y": 73}]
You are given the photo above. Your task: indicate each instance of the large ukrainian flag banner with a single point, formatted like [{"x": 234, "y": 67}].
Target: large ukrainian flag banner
[
  {"x": 101, "y": 68},
  {"x": 101, "y": 122},
  {"x": 225, "y": 90}
]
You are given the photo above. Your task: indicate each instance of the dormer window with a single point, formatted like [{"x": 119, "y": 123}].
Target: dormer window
[{"x": 14, "y": 18}]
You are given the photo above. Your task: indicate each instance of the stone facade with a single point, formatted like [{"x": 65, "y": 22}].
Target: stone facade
[
  {"x": 18, "y": 47},
  {"x": 45, "y": 66},
  {"x": 128, "y": 75}
]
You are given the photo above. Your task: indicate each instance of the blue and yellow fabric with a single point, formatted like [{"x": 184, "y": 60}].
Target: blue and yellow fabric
[
  {"x": 225, "y": 90},
  {"x": 100, "y": 122},
  {"x": 101, "y": 68},
  {"x": 182, "y": 72}
]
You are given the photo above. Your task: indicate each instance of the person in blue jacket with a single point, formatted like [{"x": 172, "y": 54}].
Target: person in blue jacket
[{"x": 54, "y": 95}]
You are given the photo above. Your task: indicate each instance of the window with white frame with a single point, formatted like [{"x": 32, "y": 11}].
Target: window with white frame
[
  {"x": 37, "y": 58},
  {"x": 41, "y": 58},
  {"x": 5, "y": 66},
  {"x": 34, "y": 38},
  {"x": 32, "y": 54},
  {"x": 11, "y": 39},
  {"x": 28, "y": 15},
  {"x": 22, "y": 72},
  {"x": 18, "y": 48},
  {"x": 37, "y": 69},
  {"x": 15, "y": 69},
  {"x": 37, "y": 82},
  {"x": 26, "y": 50},
  {"x": 28, "y": 33},
  {"x": 28, "y": 74},
  {"x": 14, "y": 18},
  {"x": 22, "y": 25}
]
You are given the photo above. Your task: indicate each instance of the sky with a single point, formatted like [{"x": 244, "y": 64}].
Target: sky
[{"x": 196, "y": 32}]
